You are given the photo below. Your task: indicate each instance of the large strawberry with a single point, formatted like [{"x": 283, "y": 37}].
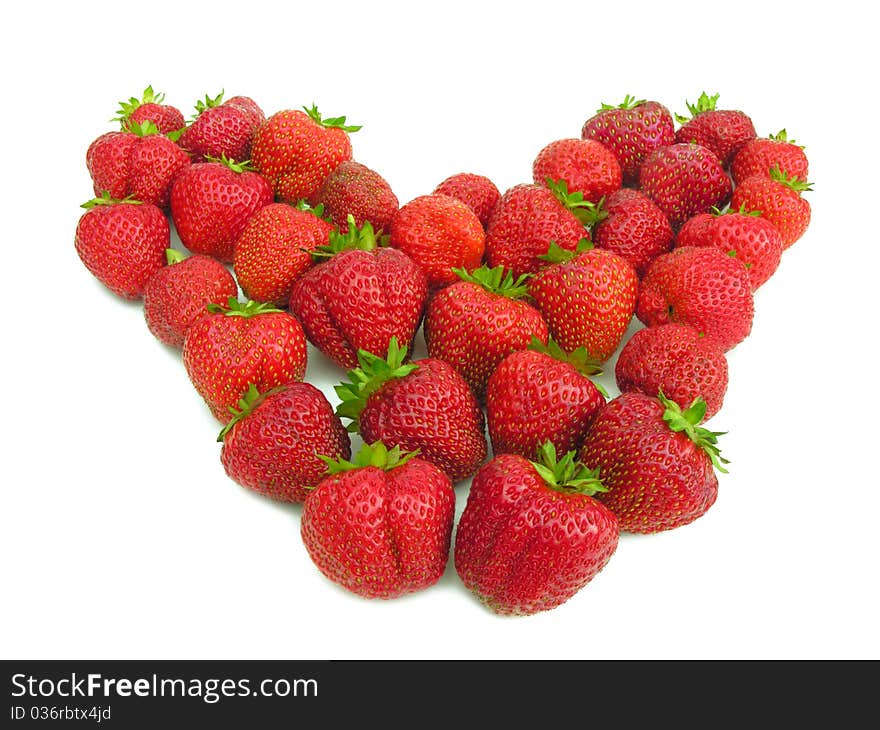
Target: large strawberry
[
  {"x": 353, "y": 189},
  {"x": 655, "y": 460},
  {"x": 223, "y": 128},
  {"x": 723, "y": 131},
  {"x": 759, "y": 156},
  {"x": 586, "y": 167},
  {"x": 778, "y": 199},
  {"x": 476, "y": 322},
  {"x": 360, "y": 297},
  {"x": 532, "y": 534},
  {"x": 150, "y": 108},
  {"x": 477, "y": 192},
  {"x": 380, "y": 526},
  {"x": 272, "y": 442}
]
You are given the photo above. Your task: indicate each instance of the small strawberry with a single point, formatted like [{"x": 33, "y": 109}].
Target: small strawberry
[
  {"x": 425, "y": 405},
  {"x": 759, "y": 156},
  {"x": 722, "y": 131},
  {"x": 272, "y": 442},
  {"x": 149, "y": 108},
  {"x": 122, "y": 243},
  {"x": 586, "y": 167},
  {"x": 232, "y": 347},
  {"x": 676, "y": 360},
  {"x": 223, "y": 128},
  {"x": 532, "y": 534},
  {"x": 211, "y": 202},
  {"x": 778, "y": 199},
  {"x": 477, "y": 192},
  {"x": 360, "y": 297},
  {"x": 475, "y": 323},
  {"x": 353, "y": 189},
  {"x": 380, "y": 526},
  {"x": 702, "y": 287},
  {"x": 440, "y": 234},
  {"x": 655, "y": 460}
]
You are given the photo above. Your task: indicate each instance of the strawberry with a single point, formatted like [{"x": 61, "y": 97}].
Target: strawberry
[
  {"x": 178, "y": 294},
  {"x": 532, "y": 534},
  {"x": 702, "y": 287},
  {"x": 296, "y": 151},
  {"x": 656, "y": 461},
  {"x": 722, "y": 131},
  {"x": 137, "y": 162},
  {"x": 587, "y": 298},
  {"x": 149, "y": 108},
  {"x": 475, "y": 323},
  {"x": 477, "y": 192},
  {"x": 380, "y": 526},
  {"x": 272, "y": 441},
  {"x": 211, "y": 202},
  {"x": 778, "y": 199},
  {"x": 631, "y": 131},
  {"x": 274, "y": 249},
  {"x": 586, "y": 167},
  {"x": 425, "y": 405},
  {"x": 360, "y": 297},
  {"x": 122, "y": 243},
  {"x": 538, "y": 395},
  {"x": 676, "y": 360},
  {"x": 440, "y": 234},
  {"x": 759, "y": 156},
  {"x": 683, "y": 180},
  {"x": 353, "y": 189},
  {"x": 232, "y": 347},
  {"x": 223, "y": 128}
]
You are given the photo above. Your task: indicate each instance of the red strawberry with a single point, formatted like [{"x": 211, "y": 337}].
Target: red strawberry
[
  {"x": 122, "y": 243},
  {"x": 223, "y": 128},
  {"x": 538, "y": 395},
  {"x": 675, "y": 360},
  {"x": 149, "y": 108},
  {"x": 587, "y": 298},
  {"x": 476, "y": 322},
  {"x": 532, "y": 535},
  {"x": 476, "y": 191},
  {"x": 683, "y": 180},
  {"x": 360, "y": 297},
  {"x": 586, "y": 167},
  {"x": 722, "y": 131},
  {"x": 178, "y": 294},
  {"x": 759, "y": 156},
  {"x": 702, "y": 287},
  {"x": 655, "y": 460},
  {"x": 425, "y": 405},
  {"x": 778, "y": 199},
  {"x": 274, "y": 249},
  {"x": 353, "y": 189},
  {"x": 272, "y": 443},
  {"x": 296, "y": 151},
  {"x": 241, "y": 344},
  {"x": 440, "y": 234},
  {"x": 138, "y": 162},
  {"x": 631, "y": 131},
  {"x": 380, "y": 526}
]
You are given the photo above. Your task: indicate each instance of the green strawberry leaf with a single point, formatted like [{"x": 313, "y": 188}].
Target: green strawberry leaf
[
  {"x": 566, "y": 474},
  {"x": 588, "y": 213},
  {"x": 579, "y": 359},
  {"x": 688, "y": 422},
  {"x": 356, "y": 238},
  {"x": 208, "y": 103},
  {"x": 705, "y": 103},
  {"x": 243, "y": 166},
  {"x": 235, "y": 308},
  {"x": 497, "y": 280},
  {"x": 629, "y": 102},
  {"x": 793, "y": 182},
  {"x": 141, "y": 129},
  {"x": 173, "y": 256},
  {"x": 246, "y": 405},
  {"x": 127, "y": 108},
  {"x": 336, "y": 122},
  {"x": 106, "y": 199},
  {"x": 558, "y": 255},
  {"x": 374, "y": 454}
]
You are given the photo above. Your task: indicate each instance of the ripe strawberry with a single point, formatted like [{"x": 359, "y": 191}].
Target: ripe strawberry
[
  {"x": 675, "y": 360},
  {"x": 241, "y": 344},
  {"x": 380, "y": 526},
  {"x": 532, "y": 535},
  {"x": 759, "y": 156},
  {"x": 149, "y": 108},
  {"x": 296, "y": 151},
  {"x": 353, "y": 189},
  {"x": 656, "y": 461},
  {"x": 631, "y": 131},
  {"x": 272, "y": 442},
  {"x": 683, "y": 180},
  {"x": 476, "y": 322},
  {"x": 778, "y": 199},
  {"x": 122, "y": 243},
  {"x": 274, "y": 249},
  {"x": 223, "y": 128},
  {"x": 722, "y": 131},
  {"x": 360, "y": 297},
  {"x": 476, "y": 191},
  {"x": 538, "y": 395},
  {"x": 425, "y": 405},
  {"x": 440, "y": 234},
  {"x": 702, "y": 287},
  {"x": 586, "y": 167},
  {"x": 587, "y": 298}
]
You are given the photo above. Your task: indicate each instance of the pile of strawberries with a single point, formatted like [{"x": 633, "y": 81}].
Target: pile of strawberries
[{"x": 523, "y": 297}]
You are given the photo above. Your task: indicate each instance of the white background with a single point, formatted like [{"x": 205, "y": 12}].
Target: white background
[{"x": 121, "y": 536}]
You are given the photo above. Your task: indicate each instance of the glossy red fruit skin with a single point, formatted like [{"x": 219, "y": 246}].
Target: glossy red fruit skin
[
  {"x": 779, "y": 204},
  {"x": 759, "y": 156},
  {"x": 700, "y": 287},
  {"x": 532, "y": 398},
  {"x": 227, "y": 129},
  {"x": 522, "y": 547},
  {"x": 272, "y": 449},
  {"x": 585, "y": 165},
  {"x": 360, "y": 300},
  {"x": 477, "y": 192},
  {"x": 354, "y": 189},
  {"x": 722, "y": 131},
  {"x": 123, "y": 245},
  {"x": 657, "y": 479},
  {"x": 675, "y": 359},
  {"x": 177, "y": 295},
  {"x": 166, "y": 118},
  {"x": 381, "y": 534},
  {"x": 211, "y": 204}
]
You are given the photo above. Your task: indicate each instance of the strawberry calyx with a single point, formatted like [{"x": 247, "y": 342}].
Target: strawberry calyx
[
  {"x": 558, "y": 255},
  {"x": 208, "y": 103},
  {"x": 782, "y": 136},
  {"x": 688, "y": 422},
  {"x": 315, "y": 210},
  {"x": 374, "y": 454},
  {"x": 579, "y": 359},
  {"x": 705, "y": 103},
  {"x": 127, "y": 108},
  {"x": 717, "y": 212},
  {"x": 107, "y": 199},
  {"x": 566, "y": 475},
  {"x": 239, "y": 167},
  {"x": 235, "y": 308},
  {"x": 335, "y": 122},
  {"x": 629, "y": 102},
  {"x": 140, "y": 129},
  {"x": 173, "y": 256},
  {"x": 587, "y": 212},
  {"x": 793, "y": 182},
  {"x": 361, "y": 238},
  {"x": 496, "y": 280},
  {"x": 246, "y": 405}
]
